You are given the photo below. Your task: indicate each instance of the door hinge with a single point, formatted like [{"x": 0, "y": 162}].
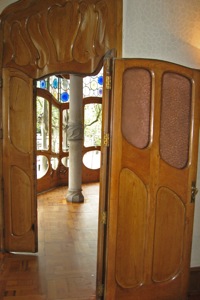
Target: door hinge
[
  {"x": 106, "y": 139},
  {"x": 100, "y": 290},
  {"x": 104, "y": 218},
  {"x": 194, "y": 191},
  {"x": 108, "y": 82}
]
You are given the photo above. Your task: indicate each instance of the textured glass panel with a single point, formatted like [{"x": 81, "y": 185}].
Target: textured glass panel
[
  {"x": 175, "y": 119},
  {"x": 55, "y": 129},
  {"x": 42, "y": 124},
  {"x": 136, "y": 103}
]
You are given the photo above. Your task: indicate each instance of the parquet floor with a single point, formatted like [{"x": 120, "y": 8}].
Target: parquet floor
[{"x": 65, "y": 266}]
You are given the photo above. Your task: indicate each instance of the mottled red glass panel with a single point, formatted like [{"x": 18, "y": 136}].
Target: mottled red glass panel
[
  {"x": 175, "y": 119},
  {"x": 136, "y": 105}
]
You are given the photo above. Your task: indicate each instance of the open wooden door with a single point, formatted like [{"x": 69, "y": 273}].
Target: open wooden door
[
  {"x": 104, "y": 173},
  {"x": 154, "y": 140},
  {"x": 19, "y": 162}
]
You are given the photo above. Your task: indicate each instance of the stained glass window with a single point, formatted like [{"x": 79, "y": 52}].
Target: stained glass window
[
  {"x": 59, "y": 87},
  {"x": 93, "y": 86}
]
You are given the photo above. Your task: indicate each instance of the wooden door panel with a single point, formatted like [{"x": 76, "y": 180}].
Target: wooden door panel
[
  {"x": 19, "y": 162},
  {"x": 169, "y": 233},
  {"x": 129, "y": 255},
  {"x": 20, "y": 210},
  {"x": 154, "y": 140}
]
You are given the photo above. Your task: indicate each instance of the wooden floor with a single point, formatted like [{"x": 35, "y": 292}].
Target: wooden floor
[{"x": 65, "y": 266}]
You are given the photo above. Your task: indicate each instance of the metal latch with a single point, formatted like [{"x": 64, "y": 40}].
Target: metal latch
[
  {"x": 108, "y": 82},
  {"x": 104, "y": 218},
  {"x": 106, "y": 139},
  {"x": 194, "y": 191},
  {"x": 100, "y": 290}
]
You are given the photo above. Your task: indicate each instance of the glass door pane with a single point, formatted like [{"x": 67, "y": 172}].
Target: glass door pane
[
  {"x": 55, "y": 129},
  {"x": 42, "y": 124}
]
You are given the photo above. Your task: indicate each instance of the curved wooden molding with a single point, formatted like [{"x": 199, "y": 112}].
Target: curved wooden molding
[{"x": 42, "y": 37}]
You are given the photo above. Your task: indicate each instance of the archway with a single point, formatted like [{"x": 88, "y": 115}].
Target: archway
[{"x": 34, "y": 46}]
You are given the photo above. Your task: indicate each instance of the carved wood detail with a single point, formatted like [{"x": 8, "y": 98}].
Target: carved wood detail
[
  {"x": 75, "y": 131},
  {"x": 58, "y": 36}
]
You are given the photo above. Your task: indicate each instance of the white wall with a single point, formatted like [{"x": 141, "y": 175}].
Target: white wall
[
  {"x": 167, "y": 30},
  {"x": 163, "y": 29},
  {"x": 4, "y": 3}
]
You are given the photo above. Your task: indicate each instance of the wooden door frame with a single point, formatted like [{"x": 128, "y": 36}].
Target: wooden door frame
[{"x": 23, "y": 47}]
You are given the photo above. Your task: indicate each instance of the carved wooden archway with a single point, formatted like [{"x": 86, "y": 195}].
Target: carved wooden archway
[
  {"x": 39, "y": 38},
  {"x": 44, "y": 37}
]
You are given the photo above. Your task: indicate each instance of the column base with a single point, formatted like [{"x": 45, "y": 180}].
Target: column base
[{"x": 75, "y": 196}]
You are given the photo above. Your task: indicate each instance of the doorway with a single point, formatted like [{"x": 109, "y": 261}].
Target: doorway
[
  {"x": 52, "y": 122},
  {"x": 70, "y": 230},
  {"x": 31, "y": 52}
]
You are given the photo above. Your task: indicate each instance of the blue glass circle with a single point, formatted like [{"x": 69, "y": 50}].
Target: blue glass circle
[
  {"x": 100, "y": 80},
  {"x": 100, "y": 92},
  {"x": 42, "y": 84},
  {"x": 55, "y": 83},
  {"x": 64, "y": 97}
]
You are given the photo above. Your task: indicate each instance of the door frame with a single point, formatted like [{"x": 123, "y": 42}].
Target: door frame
[
  {"x": 23, "y": 45},
  {"x": 24, "y": 49}
]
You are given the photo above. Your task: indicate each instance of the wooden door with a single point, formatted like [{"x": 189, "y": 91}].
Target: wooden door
[
  {"x": 19, "y": 162},
  {"x": 154, "y": 140},
  {"x": 104, "y": 172}
]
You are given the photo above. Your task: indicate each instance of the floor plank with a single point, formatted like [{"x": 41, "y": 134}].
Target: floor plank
[{"x": 65, "y": 265}]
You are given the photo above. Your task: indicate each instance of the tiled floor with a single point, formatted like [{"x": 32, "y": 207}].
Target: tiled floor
[{"x": 65, "y": 266}]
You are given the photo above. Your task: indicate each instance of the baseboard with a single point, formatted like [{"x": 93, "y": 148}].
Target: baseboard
[{"x": 194, "y": 285}]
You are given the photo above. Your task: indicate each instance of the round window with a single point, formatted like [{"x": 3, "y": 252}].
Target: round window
[
  {"x": 42, "y": 166},
  {"x": 92, "y": 159}
]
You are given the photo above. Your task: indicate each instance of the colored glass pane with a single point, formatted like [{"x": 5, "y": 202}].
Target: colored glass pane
[
  {"x": 60, "y": 87},
  {"x": 64, "y": 97},
  {"x": 100, "y": 80},
  {"x": 55, "y": 83},
  {"x": 93, "y": 85},
  {"x": 42, "y": 84}
]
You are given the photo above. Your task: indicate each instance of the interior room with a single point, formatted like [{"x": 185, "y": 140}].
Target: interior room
[{"x": 100, "y": 109}]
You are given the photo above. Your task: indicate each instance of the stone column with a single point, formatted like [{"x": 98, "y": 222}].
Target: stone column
[{"x": 75, "y": 138}]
